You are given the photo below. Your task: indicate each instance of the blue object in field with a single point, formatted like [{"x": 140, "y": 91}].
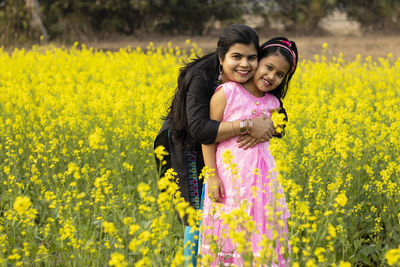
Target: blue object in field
[
  {"x": 190, "y": 246},
  {"x": 202, "y": 198},
  {"x": 190, "y": 250}
]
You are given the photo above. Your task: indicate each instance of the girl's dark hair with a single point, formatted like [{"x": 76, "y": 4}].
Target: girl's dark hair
[
  {"x": 207, "y": 67},
  {"x": 273, "y": 47}
]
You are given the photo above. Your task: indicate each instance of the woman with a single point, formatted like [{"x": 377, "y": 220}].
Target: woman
[{"x": 188, "y": 123}]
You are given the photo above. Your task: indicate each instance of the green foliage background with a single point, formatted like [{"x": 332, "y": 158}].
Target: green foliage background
[{"x": 70, "y": 20}]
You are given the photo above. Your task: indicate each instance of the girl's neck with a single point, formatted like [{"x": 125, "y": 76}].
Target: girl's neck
[{"x": 252, "y": 89}]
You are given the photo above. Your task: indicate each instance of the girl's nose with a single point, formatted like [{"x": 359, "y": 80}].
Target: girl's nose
[{"x": 271, "y": 76}]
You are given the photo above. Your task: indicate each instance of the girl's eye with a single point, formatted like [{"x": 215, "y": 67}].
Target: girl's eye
[{"x": 269, "y": 67}]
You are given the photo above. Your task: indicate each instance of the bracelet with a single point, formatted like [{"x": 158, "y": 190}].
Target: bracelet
[
  {"x": 233, "y": 132},
  {"x": 250, "y": 125},
  {"x": 243, "y": 127}
]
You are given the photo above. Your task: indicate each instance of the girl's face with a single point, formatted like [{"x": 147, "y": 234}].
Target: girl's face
[
  {"x": 240, "y": 63},
  {"x": 270, "y": 73}
]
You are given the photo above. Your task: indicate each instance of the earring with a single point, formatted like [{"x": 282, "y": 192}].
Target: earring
[{"x": 220, "y": 73}]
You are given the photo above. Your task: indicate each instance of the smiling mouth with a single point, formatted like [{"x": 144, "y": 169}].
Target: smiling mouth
[
  {"x": 266, "y": 83},
  {"x": 243, "y": 72}
]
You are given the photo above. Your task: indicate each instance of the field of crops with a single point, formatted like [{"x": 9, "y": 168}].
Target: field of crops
[{"x": 79, "y": 184}]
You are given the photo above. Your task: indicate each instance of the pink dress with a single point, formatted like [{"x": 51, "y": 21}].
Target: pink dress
[{"x": 254, "y": 187}]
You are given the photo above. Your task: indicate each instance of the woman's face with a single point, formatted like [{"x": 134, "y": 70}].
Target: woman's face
[
  {"x": 240, "y": 63},
  {"x": 270, "y": 73}
]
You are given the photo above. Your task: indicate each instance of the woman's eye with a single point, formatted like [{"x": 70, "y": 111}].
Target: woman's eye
[
  {"x": 236, "y": 56},
  {"x": 252, "y": 58}
]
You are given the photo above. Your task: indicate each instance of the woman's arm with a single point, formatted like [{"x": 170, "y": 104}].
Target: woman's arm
[
  {"x": 202, "y": 129},
  {"x": 215, "y": 187},
  {"x": 247, "y": 140},
  {"x": 205, "y": 130}
]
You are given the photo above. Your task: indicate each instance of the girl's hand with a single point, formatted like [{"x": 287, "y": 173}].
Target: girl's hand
[
  {"x": 216, "y": 190},
  {"x": 263, "y": 127}
]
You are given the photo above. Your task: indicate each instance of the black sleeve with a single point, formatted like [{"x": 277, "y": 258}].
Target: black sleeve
[
  {"x": 201, "y": 129},
  {"x": 282, "y": 111}
]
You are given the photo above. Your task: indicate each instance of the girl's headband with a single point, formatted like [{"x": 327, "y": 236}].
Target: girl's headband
[{"x": 287, "y": 48}]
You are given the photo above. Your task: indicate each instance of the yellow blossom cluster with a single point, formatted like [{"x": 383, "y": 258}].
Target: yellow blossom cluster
[
  {"x": 22, "y": 205},
  {"x": 279, "y": 121},
  {"x": 393, "y": 256}
]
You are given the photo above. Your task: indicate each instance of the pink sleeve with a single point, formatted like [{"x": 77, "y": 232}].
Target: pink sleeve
[
  {"x": 228, "y": 88},
  {"x": 275, "y": 102}
]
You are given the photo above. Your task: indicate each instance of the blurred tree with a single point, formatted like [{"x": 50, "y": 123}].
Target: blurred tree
[
  {"x": 298, "y": 15},
  {"x": 14, "y": 22},
  {"x": 196, "y": 17},
  {"x": 382, "y": 15},
  {"x": 36, "y": 23},
  {"x": 75, "y": 19},
  {"x": 81, "y": 18},
  {"x": 78, "y": 20}
]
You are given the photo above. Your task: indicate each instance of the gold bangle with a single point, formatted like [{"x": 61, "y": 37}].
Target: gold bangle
[
  {"x": 233, "y": 132},
  {"x": 243, "y": 127},
  {"x": 250, "y": 125}
]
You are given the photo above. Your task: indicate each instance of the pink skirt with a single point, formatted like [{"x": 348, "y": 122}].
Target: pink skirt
[{"x": 250, "y": 226}]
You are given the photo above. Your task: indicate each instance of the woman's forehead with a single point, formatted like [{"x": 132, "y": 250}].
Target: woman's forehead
[{"x": 243, "y": 49}]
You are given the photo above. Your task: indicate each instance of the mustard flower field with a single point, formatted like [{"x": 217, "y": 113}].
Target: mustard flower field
[{"x": 79, "y": 186}]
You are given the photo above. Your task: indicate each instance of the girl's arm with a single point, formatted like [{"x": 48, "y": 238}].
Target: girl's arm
[
  {"x": 205, "y": 130},
  {"x": 215, "y": 187}
]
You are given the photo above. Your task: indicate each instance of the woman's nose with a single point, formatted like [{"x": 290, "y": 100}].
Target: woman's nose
[{"x": 244, "y": 62}]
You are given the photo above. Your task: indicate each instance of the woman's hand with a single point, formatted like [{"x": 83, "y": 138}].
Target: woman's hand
[
  {"x": 216, "y": 190},
  {"x": 245, "y": 141},
  {"x": 263, "y": 130},
  {"x": 263, "y": 127}
]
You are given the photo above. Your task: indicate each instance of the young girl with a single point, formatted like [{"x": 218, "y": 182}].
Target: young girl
[{"x": 256, "y": 189}]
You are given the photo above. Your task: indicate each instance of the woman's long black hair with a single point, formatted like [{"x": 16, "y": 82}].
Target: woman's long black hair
[
  {"x": 265, "y": 51},
  {"x": 208, "y": 68}
]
